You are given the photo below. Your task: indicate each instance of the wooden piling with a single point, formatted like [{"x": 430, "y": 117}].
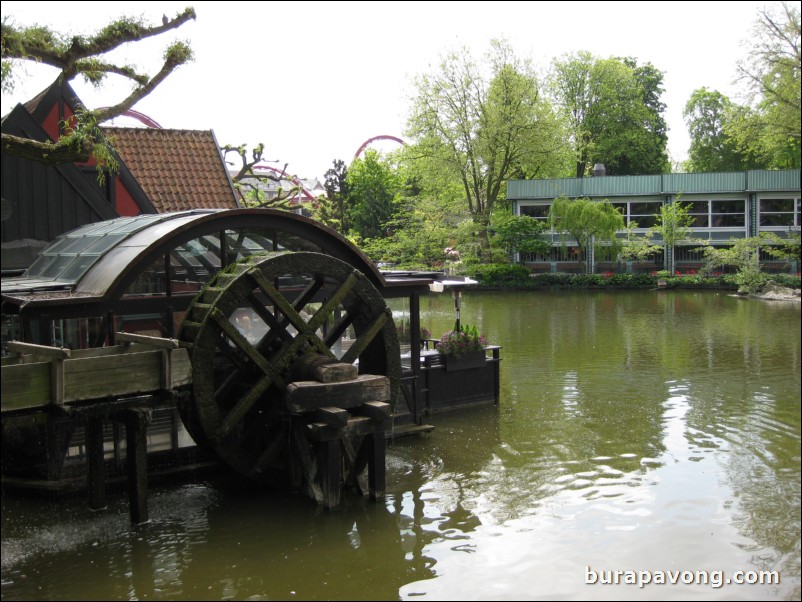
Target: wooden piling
[
  {"x": 95, "y": 463},
  {"x": 136, "y": 421}
]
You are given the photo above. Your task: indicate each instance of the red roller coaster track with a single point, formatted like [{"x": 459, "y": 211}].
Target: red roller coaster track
[{"x": 381, "y": 137}]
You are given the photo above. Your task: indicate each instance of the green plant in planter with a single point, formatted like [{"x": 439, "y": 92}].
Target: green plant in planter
[{"x": 461, "y": 343}]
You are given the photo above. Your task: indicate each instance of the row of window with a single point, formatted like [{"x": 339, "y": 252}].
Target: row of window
[{"x": 728, "y": 213}]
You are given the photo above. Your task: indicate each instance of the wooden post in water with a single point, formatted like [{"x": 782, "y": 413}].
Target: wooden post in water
[
  {"x": 95, "y": 463},
  {"x": 376, "y": 445},
  {"x": 136, "y": 421}
]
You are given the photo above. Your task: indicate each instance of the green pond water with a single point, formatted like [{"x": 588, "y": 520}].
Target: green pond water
[{"x": 652, "y": 433}]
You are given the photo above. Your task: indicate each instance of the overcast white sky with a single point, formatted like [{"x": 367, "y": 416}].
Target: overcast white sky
[{"x": 313, "y": 80}]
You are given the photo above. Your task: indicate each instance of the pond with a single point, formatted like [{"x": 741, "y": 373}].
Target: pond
[{"x": 650, "y": 439}]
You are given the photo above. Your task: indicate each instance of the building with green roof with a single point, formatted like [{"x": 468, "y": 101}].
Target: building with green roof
[{"x": 724, "y": 206}]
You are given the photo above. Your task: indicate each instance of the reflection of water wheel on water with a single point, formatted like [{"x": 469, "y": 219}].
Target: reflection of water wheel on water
[{"x": 265, "y": 323}]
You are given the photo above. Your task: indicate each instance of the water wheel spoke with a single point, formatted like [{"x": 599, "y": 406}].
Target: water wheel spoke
[
  {"x": 232, "y": 379},
  {"x": 275, "y": 327},
  {"x": 242, "y": 407},
  {"x": 308, "y": 294},
  {"x": 240, "y": 341},
  {"x": 339, "y": 329},
  {"x": 322, "y": 314},
  {"x": 279, "y": 300},
  {"x": 365, "y": 339}
]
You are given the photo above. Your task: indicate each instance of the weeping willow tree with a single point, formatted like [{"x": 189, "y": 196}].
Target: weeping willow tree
[{"x": 592, "y": 224}]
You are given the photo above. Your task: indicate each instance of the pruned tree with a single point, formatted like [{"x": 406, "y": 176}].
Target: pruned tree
[
  {"x": 84, "y": 56},
  {"x": 261, "y": 187}
]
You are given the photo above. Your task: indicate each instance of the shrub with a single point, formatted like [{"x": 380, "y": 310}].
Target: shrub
[{"x": 462, "y": 342}]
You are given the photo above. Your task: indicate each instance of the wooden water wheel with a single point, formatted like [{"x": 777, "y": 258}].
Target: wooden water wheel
[{"x": 252, "y": 329}]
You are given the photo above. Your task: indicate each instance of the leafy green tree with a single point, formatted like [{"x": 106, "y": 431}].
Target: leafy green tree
[
  {"x": 744, "y": 255},
  {"x": 520, "y": 233},
  {"x": 771, "y": 72},
  {"x": 373, "y": 184},
  {"x": 637, "y": 247},
  {"x": 479, "y": 130},
  {"x": 74, "y": 55},
  {"x": 614, "y": 113},
  {"x": 589, "y": 223},
  {"x": 707, "y": 114},
  {"x": 673, "y": 224}
]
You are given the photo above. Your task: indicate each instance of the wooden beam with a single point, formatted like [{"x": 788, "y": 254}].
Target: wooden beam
[
  {"x": 334, "y": 417},
  {"x": 378, "y": 410},
  {"x": 39, "y": 350},
  {"x": 158, "y": 342},
  {"x": 305, "y": 396}
]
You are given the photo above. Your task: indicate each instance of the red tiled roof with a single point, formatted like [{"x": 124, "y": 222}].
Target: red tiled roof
[{"x": 177, "y": 169}]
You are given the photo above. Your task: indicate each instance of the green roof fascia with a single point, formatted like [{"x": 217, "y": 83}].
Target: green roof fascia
[{"x": 664, "y": 184}]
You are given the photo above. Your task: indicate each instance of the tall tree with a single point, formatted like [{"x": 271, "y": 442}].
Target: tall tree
[
  {"x": 373, "y": 184},
  {"x": 84, "y": 55},
  {"x": 614, "y": 113},
  {"x": 589, "y": 223},
  {"x": 479, "y": 128},
  {"x": 707, "y": 114},
  {"x": 332, "y": 209},
  {"x": 771, "y": 72}
]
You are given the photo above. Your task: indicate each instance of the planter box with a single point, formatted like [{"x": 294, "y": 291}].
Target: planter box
[{"x": 467, "y": 362}]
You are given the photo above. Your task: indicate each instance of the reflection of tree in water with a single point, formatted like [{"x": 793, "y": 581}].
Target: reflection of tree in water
[
  {"x": 580, "y": 404},
  {"x": 755, "y": 418}
]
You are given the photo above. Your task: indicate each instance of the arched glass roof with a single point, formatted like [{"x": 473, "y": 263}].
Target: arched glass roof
[
  {"x": 72, "y": 254},
  {"x": 172, "y": 253}
]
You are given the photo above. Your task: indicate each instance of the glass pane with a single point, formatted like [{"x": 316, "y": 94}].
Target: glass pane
[
  {"x": 621, "y": 207},
  {"x": 244, "y": 243},
  {"x": 78, "y": 267},
  {"x": 776, "y": 219},
  {"x": 53, "y": 270},
  {"x": 776, "y": 205},
  {"x": 149, "y": 281},
  {"x": 728, "y": 221},
  {"x": 644, "y": 221},
  {"x": 104, "y": 243},
  {"x": 188, "y": 271},
  {"x": 40, "y": 265},
  {"x": 126, "y": 226},
  {"x": 727, "y": 207},
  {"x": 644, "y": 208},
  {"x": 700, "y": 221},
  {"x": 698, "y": 207},
  {"x": 538, "y": 211}
]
